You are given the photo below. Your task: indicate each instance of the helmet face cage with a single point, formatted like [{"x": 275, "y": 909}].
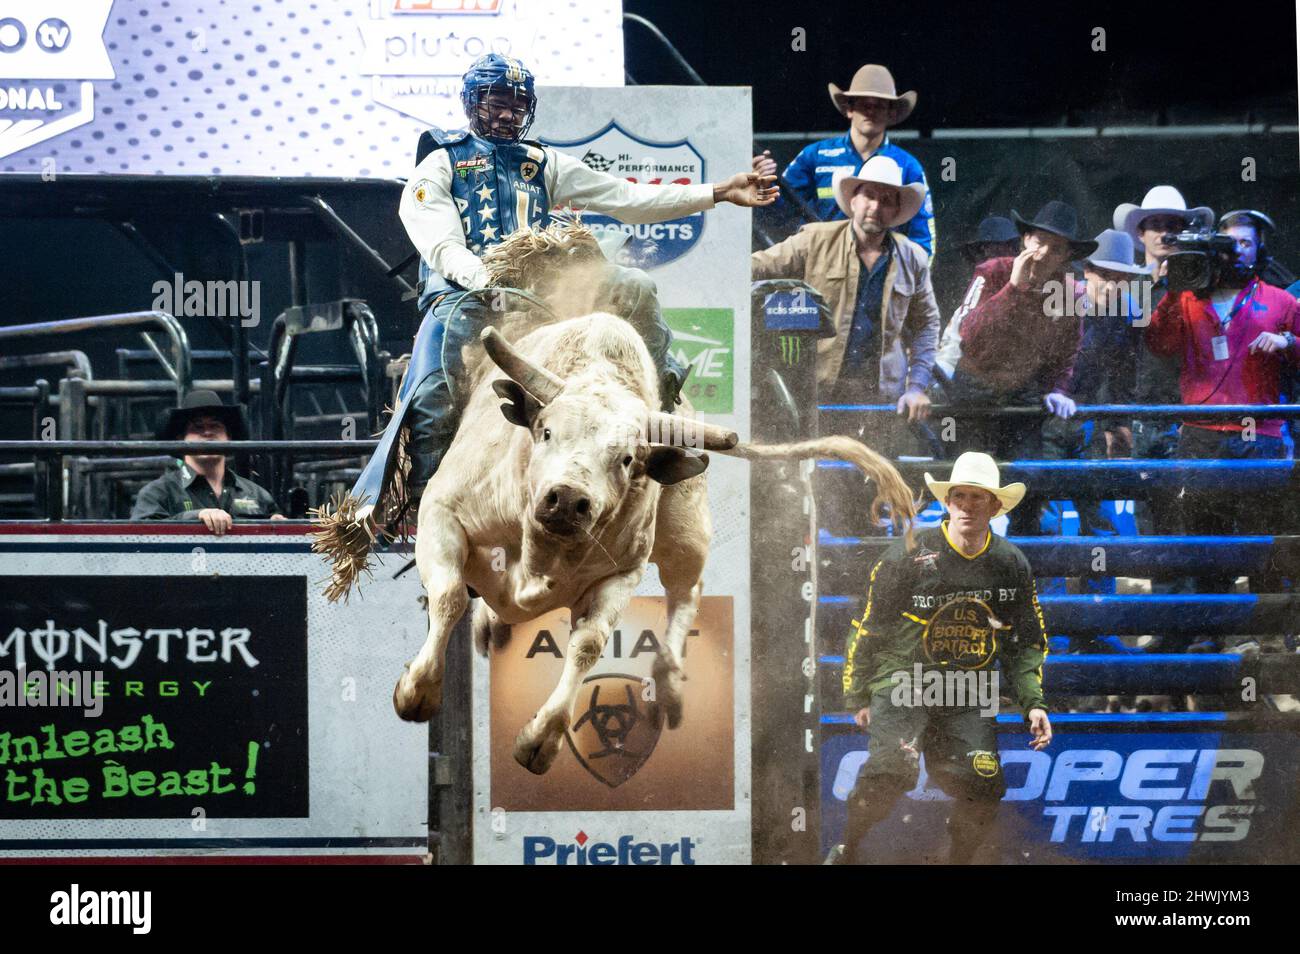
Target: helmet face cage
[
  {"x": 472, "y": 100},
  {"x": 494, "y": 73}
]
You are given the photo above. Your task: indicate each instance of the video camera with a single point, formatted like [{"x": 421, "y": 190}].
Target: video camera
[{"x": 1199, "y": 260}]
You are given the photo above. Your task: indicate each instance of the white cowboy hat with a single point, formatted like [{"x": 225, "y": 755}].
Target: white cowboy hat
[
  {"x": 885, "y": 171},
  {"x": 1160, "y": 200},
  {"x": 973, "y": 469},
  {"x": 877, "y": 82}
]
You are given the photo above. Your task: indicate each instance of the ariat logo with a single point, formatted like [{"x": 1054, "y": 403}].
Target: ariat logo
[{"x": 619, "y": 730}]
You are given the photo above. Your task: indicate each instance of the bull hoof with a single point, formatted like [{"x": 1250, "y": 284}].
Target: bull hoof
[
  {"x": 668, "y": 696},
  {"x": 414, "y": 703},
  {"x": 536, "y": 749}
]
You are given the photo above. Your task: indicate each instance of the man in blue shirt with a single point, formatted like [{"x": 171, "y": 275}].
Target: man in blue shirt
[{"x": 872, "y": 105}]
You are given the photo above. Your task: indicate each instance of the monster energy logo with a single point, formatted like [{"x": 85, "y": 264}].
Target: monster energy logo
[{"x": 791, "y": 349}]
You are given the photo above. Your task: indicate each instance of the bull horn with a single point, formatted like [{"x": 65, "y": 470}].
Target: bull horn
[
  {"x": 533, "y": 378},
  {"x": 689, "y": 432}
]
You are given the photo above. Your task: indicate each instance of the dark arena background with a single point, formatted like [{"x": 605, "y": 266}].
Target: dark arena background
[{"x": 221, "y": 198}]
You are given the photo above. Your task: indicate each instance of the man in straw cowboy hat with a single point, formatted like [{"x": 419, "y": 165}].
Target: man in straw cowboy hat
[
  {"x": 876, "y": 283},
  {"x": 871, "y": 104},
  {"x": 959, "y": 600}
]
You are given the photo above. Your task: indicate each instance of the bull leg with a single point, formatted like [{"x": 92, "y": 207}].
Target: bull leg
[
  {"x": 668, "y": 667},
  {"x": 539, "y": 741},
  {"x": 681, "y": 565},
  {"x": 440, "y": 553},
  {"x": 487, "y": 628}
]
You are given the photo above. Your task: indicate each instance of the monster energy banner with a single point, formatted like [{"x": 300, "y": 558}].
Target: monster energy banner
[
  {"x": 628, "y": 786},
  {"x": 177, "y": 694},
  {"x": 139, "y": 697}
]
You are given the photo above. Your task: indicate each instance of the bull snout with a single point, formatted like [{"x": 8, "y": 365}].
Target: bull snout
[{"x": 563, "y": 509}]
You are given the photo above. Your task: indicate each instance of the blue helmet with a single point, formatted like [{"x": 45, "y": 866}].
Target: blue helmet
[{"x": 493, "y": 72}]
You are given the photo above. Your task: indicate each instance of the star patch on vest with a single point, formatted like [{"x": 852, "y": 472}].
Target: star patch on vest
[{"x": 961, "y": 634}]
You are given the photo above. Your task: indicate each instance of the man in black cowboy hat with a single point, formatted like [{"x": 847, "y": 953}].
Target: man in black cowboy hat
[
  {"x": 1020, "y": 336},
  {"x": 201, "y": 487}
]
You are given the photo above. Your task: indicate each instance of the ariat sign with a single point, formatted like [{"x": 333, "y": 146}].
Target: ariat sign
[{"x": 542, "y": 850}]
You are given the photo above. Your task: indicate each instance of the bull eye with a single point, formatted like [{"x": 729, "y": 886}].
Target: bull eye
[
  {"x": 627, "y": 461},
  {"x": 546, "y": 433}
]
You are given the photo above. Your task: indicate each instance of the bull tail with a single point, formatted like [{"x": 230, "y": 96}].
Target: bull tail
[{"x": 891, "y": 489}]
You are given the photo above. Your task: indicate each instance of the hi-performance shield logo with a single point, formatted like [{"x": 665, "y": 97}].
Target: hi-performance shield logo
[
  {"x": 44, "y": 45},
  {"x": 616, "y": 151}
]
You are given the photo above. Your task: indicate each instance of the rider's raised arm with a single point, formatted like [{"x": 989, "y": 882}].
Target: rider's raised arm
[
  {"x": 571, "y": 183},
  {"x": 431, "y": 221}
]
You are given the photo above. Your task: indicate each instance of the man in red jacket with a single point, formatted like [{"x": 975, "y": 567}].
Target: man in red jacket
[
  {"x": 1235, "y": 339},
  {"x": 1019, "y": 339}
]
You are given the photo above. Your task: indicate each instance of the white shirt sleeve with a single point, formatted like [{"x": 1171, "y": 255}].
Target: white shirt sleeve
[
  {"x": 571, "y": 183},
  {"x": 434, "y": 225}
]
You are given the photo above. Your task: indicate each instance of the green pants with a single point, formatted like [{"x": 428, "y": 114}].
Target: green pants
[
  {"x": 961, "y": 756},
  {"x": 960, "y": 746}
]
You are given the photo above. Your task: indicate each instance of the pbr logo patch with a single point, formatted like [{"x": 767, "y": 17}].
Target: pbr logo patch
[
  {"x": 528, "y": 169},
  {"x": 926, "y": 558},
  {"x": 961, "y": 634},
  {"x": 619, "y": 153},
  {"x": 616, "y": 730},
  {"x": 464, "y": 167}
]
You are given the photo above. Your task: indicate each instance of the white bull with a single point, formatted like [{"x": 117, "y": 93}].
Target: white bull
[{"x": 580, "y": 486}]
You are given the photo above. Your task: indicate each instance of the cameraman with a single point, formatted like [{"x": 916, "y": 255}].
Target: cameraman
[{"x": 1236, "y": 336}]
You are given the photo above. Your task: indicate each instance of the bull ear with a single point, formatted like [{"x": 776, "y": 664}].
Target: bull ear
[
  {"x": 668, "y": 465},
  {"x": 521, "y": 407}
]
